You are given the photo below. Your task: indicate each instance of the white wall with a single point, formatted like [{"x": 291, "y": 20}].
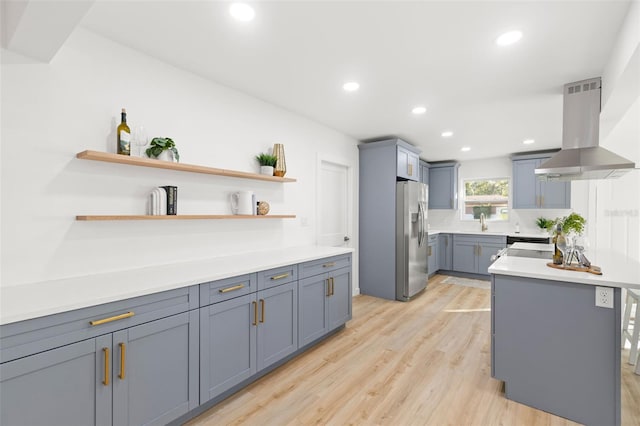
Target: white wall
[
  {"x": 499, "y": 167},
  {"x": 52, "y": 111},
  {"x": 614, "y": 205}
]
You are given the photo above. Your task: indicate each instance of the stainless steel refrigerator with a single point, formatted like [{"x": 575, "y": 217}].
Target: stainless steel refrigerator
[{"x": 411, "y": 239}]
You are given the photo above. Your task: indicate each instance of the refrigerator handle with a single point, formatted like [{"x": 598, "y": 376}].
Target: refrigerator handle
[
  {"x": 424, "y": 228},
  {"x": 420, "y": 225}
]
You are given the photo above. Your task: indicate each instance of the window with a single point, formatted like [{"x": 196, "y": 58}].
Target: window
[{"x": 488, "y": 196}]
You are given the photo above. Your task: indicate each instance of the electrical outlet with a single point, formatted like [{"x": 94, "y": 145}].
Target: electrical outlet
[{"x": 604, "y": 297}]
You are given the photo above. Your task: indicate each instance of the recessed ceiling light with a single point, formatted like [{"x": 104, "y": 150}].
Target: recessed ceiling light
[
  {"x": 419, "y": 110},
  {"x": 351, "y": 86},
  {"x": 528, "y": 141},
  {"x": 508, "y": 38},
  {"x": 446, "y": 134},
  {"x": 465, "y": 149},
  {"x": 242, "y": 12}
]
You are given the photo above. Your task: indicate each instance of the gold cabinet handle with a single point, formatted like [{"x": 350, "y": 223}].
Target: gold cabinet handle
[
  {"x": 279, "y": 277},
  {"x": 232, "y": 288},
  {"x": 332, "y": 286},
  {"x": 123, "y": 356},
  {"x": 255, "y": 313},
  {"x": 479, "y": 250},
  {"x": 262, "y": 310},
  {"x": 114, "y": 318},
  {"x": 328, "y": 287},
  {"x": 429, "y": 250},
  {"x": 106, "y": 366},
  {"x": 410, "y": 169},
  {"x": 329, "y": 265}
]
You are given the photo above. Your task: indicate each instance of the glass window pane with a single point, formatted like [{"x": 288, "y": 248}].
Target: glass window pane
[{"x": 488, "y": 196}]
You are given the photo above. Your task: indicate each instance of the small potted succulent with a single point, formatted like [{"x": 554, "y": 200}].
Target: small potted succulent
[
  {"x": 163, "y": 149},
  {"x": 267, "y": 163}
]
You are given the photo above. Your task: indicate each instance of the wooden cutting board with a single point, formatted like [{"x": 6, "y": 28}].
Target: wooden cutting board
[{"x": 592, "y": 269}]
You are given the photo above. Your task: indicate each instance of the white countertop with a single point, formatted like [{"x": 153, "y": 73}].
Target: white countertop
[
  {"x": 490, "y": 233},
  {"x": 22, "y": 302},
  {"x": 617, "y": 271}
]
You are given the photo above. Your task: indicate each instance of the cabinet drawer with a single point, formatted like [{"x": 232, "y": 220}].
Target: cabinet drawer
[
  {"x": 327, "y": 264},
  {"x": 218, "y": 291},
  {"x": 277, "y": 276},
  {"x": 39, "y": 334}
]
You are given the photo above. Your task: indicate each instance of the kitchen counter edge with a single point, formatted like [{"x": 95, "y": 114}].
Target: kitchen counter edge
[{"x": 617, "y": 271}]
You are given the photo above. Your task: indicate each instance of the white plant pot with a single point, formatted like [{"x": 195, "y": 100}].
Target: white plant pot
[
  {"x": 166, "y": 156},
  {"x": 266, "y": 170}
]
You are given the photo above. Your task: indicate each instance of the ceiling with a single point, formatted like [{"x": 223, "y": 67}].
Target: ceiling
[{"x": 439, "y": 54}]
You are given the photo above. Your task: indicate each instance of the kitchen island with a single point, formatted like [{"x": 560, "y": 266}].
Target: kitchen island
[{"x": 551, "y": 345}]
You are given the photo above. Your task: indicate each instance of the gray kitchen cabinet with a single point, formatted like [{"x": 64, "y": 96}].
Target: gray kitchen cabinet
[
  {"x": 103, "y": 365},
  {"x": 278, "y": 323},
  {"x": 465, "y": 253},
  {"x": 324, "y": 304},
  {"x": 443, "y": 185},
  {"x": 62, "y": 386},
  {"x": 555, "y": 350},
  {"x": 243, "y": 335},
  {"x": 408, "y": 162},
  {"x": 472, "y": 253},
  {"x": 432, "y": 255},
  {"x": 424, "y": 172},
  {"x": 531, "y": 193},
  {"x": 378, "y": 177},
  {"x": 155, "y": 370},
  {"x": 228, "y": 353},
  {"x": 324, "y": 298},
  {"x": 445, "y": 252},
  {"x": 340, "y": 299}
]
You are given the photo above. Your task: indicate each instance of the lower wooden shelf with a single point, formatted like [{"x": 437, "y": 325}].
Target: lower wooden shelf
[{"x": 183, "y": 217}]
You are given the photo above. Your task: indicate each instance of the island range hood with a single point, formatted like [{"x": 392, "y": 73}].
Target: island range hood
[{"x": 581, "y": 157}]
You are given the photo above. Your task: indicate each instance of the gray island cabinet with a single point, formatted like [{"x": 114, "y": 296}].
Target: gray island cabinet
[
  {"x": 164, "y": 357},
  {"x": 554, "y": 349}
]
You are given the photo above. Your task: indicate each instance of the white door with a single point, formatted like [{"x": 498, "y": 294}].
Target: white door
[{"x": 335, "y": 192}]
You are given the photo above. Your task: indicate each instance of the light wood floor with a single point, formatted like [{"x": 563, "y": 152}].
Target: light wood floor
[{"x": 426, "y": 362}]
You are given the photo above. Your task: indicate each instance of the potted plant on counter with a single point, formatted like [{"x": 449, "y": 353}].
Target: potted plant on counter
[
  {"x": 163, "y": 149},
  {"x": 267, "y": 163},
  {"x": 572, "y": 225},
  {"x": 545, "y": 225}
]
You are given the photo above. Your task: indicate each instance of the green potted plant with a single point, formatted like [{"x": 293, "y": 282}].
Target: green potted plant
[
  {"x": 267, "y": 163},
  {"x": 545, "y": 225},
  {"x": 163, "y": 149},
  {"x": 572, "y": 224}
]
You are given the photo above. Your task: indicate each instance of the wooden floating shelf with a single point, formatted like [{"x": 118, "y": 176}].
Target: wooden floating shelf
[
  {"x": 159, "y": 164},
  {"x": 183, "y": 217}
]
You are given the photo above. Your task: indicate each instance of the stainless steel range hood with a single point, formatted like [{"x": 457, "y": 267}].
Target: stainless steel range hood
[{"x": 581, "y": 157}]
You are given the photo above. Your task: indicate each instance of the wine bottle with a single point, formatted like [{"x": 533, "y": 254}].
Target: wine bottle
[
  {"x": 557, "y": 254},
  {"x": 124, "y": 135}
]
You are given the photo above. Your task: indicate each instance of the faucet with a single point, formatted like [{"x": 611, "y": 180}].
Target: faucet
[{"x": 483, "y": 222}]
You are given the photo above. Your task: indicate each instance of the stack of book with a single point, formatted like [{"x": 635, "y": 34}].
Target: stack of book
[{"x": 163, "y": 201}]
